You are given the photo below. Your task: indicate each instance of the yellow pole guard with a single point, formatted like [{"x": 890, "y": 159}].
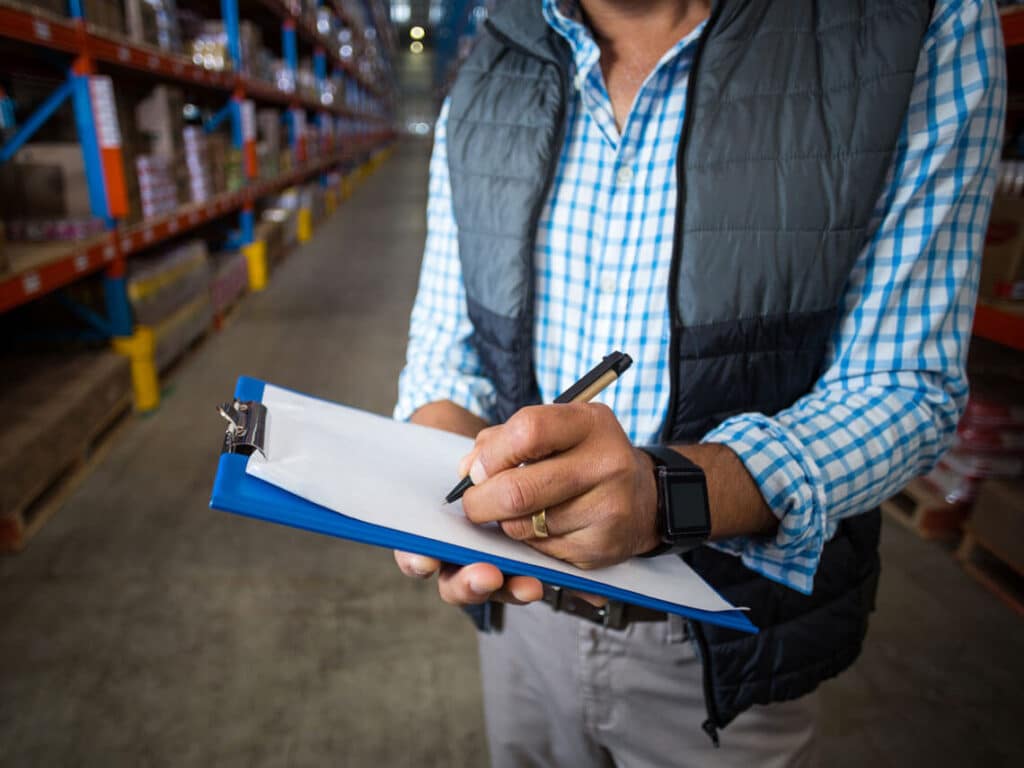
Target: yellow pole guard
[
  {"x": 140, "y": 349},
  {"x": 305, "y": 228},
  {"x": 256, "y": 258}
]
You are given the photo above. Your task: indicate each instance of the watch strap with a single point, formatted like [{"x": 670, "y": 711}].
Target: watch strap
[{"x": 663, "y": 456}]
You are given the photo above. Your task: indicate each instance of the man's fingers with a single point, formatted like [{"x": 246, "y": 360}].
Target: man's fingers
[
  {"x": 480, "y": 582},
  {"x": 470, "y": 584},
  {"x": 416, "y": 566},
  {"x": 521, "y": 491},
  {"x": 531, "y": 434}
]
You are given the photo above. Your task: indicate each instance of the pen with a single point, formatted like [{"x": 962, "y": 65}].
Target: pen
[{"x": 583, "y": 391}]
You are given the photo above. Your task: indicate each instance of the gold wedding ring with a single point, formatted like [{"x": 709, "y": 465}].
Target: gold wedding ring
[{"x": 540, "y": 524}]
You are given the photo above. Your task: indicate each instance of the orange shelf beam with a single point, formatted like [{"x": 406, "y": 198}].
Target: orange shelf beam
[{"x": 1013, "y": 27}]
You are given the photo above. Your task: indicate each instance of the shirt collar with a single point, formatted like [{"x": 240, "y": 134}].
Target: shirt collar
[{"x": 566, "y": 18}]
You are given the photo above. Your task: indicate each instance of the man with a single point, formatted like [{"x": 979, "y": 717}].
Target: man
[{"x": 777, "y": 208}]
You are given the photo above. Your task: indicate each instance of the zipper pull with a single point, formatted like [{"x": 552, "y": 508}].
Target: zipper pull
[{"x": 712, "y": 731}]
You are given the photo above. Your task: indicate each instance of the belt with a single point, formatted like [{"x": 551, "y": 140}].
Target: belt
[{"x": 614, "y": 614}]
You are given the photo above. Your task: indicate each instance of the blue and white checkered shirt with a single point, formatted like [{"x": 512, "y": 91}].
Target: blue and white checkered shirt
[{"x": 888, "y": 403}]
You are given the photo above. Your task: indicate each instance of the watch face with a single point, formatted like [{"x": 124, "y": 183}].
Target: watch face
[{"x": 687, "y": 501}]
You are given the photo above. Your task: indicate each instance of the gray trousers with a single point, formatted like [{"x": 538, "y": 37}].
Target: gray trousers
[{"x": 561, "y": 691}]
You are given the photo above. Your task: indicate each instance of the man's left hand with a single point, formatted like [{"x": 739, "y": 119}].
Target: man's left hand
[{"x": 575, "y": 462}]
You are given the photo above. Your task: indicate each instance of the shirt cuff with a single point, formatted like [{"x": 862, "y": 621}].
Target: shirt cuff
[
  {"x": 793, "y": 487},
  {"x": 473, "y": 393}
]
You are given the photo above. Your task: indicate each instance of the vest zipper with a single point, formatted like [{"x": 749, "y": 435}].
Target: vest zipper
[
  {"x": 529, "y": 381},
  {"x": 710, "y": 726},
  {"x": 677, "y": 240}
]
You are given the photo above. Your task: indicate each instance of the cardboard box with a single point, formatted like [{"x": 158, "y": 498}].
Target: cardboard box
[
  {"x": 53, "y": 405},
  {"x": 998, "y": 520},
  {"x": 1002, "y": 265},
  {"x": 159, "y": 118},
  {"x": 46, "y": 179},
  {"x": 106, "y": 14}
]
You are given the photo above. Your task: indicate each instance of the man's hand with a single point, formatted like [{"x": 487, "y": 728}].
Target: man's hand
[{"x": 575, "y": 462}]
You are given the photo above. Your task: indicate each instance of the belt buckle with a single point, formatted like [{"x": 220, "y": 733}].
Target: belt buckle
[{"x": 611, "y": 615}]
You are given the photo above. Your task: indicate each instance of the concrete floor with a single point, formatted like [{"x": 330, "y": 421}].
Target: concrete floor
[{"x": 141, "y": 628}]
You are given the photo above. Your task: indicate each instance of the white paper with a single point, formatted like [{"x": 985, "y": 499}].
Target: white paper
[{"x": 396, "y": 475}]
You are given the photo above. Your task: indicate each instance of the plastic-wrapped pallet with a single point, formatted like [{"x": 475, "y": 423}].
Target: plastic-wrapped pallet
[
  {"x": 230, "y": 279},
  {"x": 159, "y": 285},
  {"x": 989, "y": 443}
]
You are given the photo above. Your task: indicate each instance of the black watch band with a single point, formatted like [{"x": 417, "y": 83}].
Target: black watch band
[{"x": 684, "y": 518}]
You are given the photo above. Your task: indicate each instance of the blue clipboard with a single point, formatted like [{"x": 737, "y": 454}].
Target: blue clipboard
[{"x": 235, "y": 491}]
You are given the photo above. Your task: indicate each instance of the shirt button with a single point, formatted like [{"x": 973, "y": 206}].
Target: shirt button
[
  {"x": 624, "y": 175},
  {"x": 608, "y": 283}
]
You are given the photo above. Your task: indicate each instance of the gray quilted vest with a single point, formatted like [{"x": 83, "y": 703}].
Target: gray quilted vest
[{"x": 793, "y": 111}]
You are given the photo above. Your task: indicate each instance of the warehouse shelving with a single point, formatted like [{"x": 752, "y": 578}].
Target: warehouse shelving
[
  {"x": 65, "y": 35},
  {"x": 63, "y": 263},
  {"x": 347, "y": 136}
]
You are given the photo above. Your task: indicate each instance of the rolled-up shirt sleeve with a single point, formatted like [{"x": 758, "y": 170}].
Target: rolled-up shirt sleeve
[
  {"x": 441, "y": 364},
  {"x": 895, "y": 384}
]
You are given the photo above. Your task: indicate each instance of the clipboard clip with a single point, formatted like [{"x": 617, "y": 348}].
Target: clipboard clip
[{"x": 247, "y": 427}]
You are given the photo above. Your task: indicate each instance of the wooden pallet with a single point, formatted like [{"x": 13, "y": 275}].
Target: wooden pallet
[
  {"x": 19, "y": 525},
  {"x": 993, "y": 571},
  {"x": 925, "y": 512}
]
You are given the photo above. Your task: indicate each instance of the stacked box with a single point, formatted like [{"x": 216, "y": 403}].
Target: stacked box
[
  {"x": 197, "y": 162},
  {"x": 46, "y": 195},
  {"x": 158, "y": 189},
  {"x": 106, "y": 14},
  {"x": 230, "y": 279},
  {"x": 217, "y": 148},
  {"x": 998, "y": 520},
  {"x": 159, "y": 117},
  {"x": 47, "y": 180},
  {"x": 209, "y": 49},
  {"x": 1002, "y": 264},
  {"x": 53, "y": 406},
  {"x": 174, "y": 335},
  {"x": 268, "y": 136},
  {"x": 154, "y": 22},
  {"x": 37, "y": 230}
]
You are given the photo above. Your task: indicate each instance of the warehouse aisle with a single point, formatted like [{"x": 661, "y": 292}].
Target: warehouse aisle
[{"x": 141, "y": 628}]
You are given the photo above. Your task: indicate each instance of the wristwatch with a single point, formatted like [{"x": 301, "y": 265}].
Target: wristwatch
[{"x": 684, "y": 517}]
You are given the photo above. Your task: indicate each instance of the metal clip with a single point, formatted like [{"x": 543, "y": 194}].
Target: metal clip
[{"x": 247, "y": 427}]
